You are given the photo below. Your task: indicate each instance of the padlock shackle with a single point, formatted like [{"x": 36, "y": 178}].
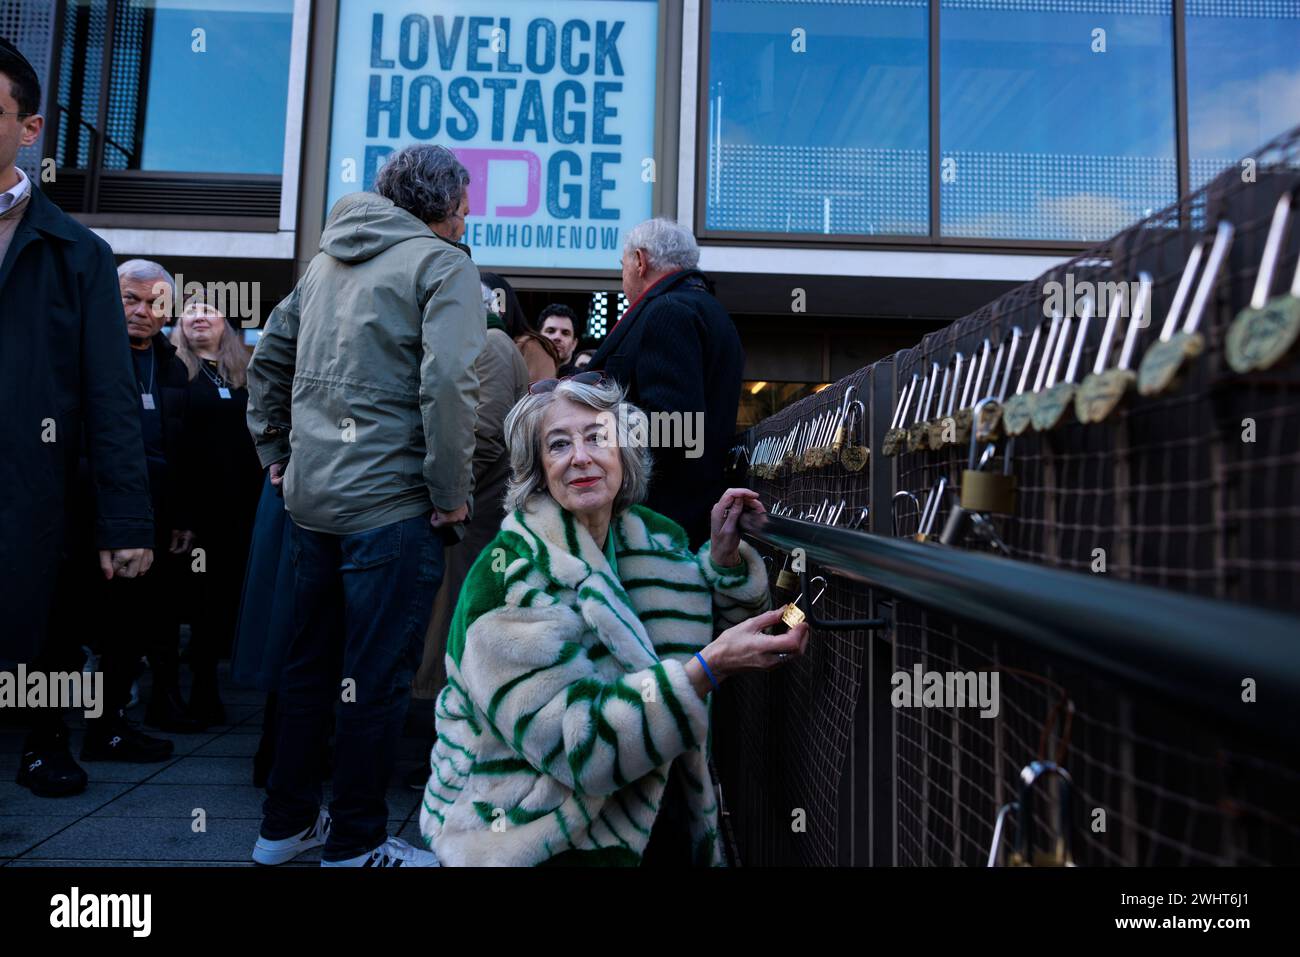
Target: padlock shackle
[
  {"x": 980, "y": 406},
  {"x": 893, "y": 515},
  {"x": 959, "y": 361},
  {"x": 999, "y": 826},
  {"x": 1016, "y": 336},
  {"x": 970, "y": 394},
  {"x": 1135, "y": 323},
  {"x": 1062, "y": 334},
  {"x": 1213, "y": 266},
  {"x": 1029, "y": 359},
  {"x": 1080, "y": 338},
  {"x": 1108, "y": 334},
  {"x": 1272, "y": 246},
  {"x": 900, "y": 411},
  {"x": 1180, "y": 294}
]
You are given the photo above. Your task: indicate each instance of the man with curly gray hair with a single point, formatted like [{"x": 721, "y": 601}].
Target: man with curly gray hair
[
  {"x": 362, "y": 396},
  {"x": 677, "y": 353}
]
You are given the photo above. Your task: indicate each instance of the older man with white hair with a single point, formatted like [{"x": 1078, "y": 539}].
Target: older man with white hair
[
  {"x": 676, "y": 350},
  {"x": 138, "y": 617}
]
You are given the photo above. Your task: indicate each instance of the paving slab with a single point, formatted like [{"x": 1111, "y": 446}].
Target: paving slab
[
  {"x": 207, "y": 770},
  {"x": 114, "y": 839},
  {"x": 21, "y": 832},
  {"x": 17, "y": 800},
  {"x": 180, "y": 800}
]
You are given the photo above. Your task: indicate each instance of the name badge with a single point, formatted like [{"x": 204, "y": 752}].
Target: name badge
[
  {"x": 223, "y": 392},
  {"x": 147, "y": 399}
]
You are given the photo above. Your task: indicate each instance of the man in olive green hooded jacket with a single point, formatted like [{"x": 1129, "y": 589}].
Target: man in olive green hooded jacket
[{"x": 362, "y": 397}]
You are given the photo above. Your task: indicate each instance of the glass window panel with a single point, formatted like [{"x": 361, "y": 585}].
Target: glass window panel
[
  {"x": 1243, "y": 79},
  {"x": 1056, "y": 117},
  {"x": 85, "y": 26},
  {"x": 218, "y": 110},
  {"x": 817, "y": 117}
]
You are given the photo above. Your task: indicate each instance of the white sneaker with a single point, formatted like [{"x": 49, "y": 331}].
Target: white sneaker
[
  {"x": 270, "y": 852},
  {"x": 392, "y": 853}
]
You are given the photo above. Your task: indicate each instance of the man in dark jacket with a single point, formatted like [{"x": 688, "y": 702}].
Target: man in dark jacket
[
  {"x": 64, "y": 371},
  {"x": 677, "y": 351},
  {"x": 141, "y": 617}
]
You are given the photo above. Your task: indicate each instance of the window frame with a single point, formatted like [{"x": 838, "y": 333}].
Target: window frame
[
  {"x": 934, "y": 239},
  {"x": 94, "y": 175}
]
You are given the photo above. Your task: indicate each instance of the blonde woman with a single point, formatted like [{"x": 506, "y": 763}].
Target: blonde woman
[{"x": 224, "y": 500}]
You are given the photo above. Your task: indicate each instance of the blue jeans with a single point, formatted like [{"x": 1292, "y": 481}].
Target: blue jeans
[{"x": 361, "y": 606}]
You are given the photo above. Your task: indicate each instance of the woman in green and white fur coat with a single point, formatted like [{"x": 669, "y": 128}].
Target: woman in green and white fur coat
[{"x": 581, "y": 655}]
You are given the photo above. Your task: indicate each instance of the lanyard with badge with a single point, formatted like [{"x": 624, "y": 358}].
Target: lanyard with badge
[
  {"x": 146, "y": 392},
  {"x": 222, "y": 389}
]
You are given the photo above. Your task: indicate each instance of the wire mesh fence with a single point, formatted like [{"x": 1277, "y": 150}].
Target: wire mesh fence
[{"x": 1194, "y": 489}]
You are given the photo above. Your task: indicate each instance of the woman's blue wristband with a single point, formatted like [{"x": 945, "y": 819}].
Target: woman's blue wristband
[{"x": 708, "y": 671}]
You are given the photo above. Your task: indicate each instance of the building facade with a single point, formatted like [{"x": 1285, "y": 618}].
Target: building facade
[{"x": 857, "y": 171}]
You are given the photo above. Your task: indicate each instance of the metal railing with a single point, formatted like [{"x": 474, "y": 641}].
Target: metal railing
[{"x": 1146, "y": 638}]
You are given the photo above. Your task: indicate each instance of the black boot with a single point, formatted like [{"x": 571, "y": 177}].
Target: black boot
[
  {"x": 111, "y": 738},
  {"x": 47, "y": 767}
]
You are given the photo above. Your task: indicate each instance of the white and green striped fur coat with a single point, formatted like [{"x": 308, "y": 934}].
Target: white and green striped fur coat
[{"x": 566, "y": 697}]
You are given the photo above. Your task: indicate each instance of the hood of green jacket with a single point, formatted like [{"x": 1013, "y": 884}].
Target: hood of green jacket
[{"x": 363, "y": 225}]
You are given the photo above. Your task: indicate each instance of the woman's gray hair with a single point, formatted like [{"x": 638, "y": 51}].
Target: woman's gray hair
[
  {"x": 426, "y": 181},
  {"x": 523, "y": 430},
  {"x": 667, "y": 244},
  {"x": 145, "y": 270}
]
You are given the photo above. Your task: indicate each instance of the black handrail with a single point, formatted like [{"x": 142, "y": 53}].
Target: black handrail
[{"x": 1194, "y": 651}]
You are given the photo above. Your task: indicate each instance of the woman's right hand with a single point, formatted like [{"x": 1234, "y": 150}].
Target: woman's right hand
[{"x": 744, "y": 647}]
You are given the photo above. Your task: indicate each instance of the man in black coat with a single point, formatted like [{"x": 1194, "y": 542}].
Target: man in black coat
[
  {"x": 142, "y": 617},
  {"x": 676, "y": 350},
  {"x": 65, "y": 384}
]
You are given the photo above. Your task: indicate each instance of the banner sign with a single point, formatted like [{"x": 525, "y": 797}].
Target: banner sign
[{"x": 550, "y": 107}]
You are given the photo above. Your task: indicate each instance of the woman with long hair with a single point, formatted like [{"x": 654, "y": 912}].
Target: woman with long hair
[{"x": 229, "y": 476}]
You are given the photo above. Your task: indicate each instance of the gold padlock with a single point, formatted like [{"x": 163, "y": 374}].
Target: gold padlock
[
  {"x": 854, "y": 454},
  {"x": 787, "y": 580},
  {"x": 988, "y": 492},
  {"x": 792, "y": 615}
]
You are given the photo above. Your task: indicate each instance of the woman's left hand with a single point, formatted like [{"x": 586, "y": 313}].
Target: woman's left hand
[{"x": 724, "y": 535}]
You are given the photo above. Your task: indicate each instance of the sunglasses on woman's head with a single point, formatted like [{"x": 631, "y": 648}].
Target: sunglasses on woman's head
[{"x": 543, "y": 386}]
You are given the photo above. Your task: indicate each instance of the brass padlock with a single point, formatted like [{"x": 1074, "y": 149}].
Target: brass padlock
[
  {"x": 787, "y": 580},
  {"x": 1026, "y": 853},
  {"x": 918, "y": 437},
  {"x": 988, "y": 492},
  {"x": 917, "y": 432},
  {"x": 793, "y": 614},
  {"x": 1103, "y": 388},
  {"x": 989, "y": 422},
  {"x": 1163, "y": 364},
  {"x": 854, "y": 455},
  {"x": 1266, "y": 329},
  {"x": 896, "y": 436}
]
